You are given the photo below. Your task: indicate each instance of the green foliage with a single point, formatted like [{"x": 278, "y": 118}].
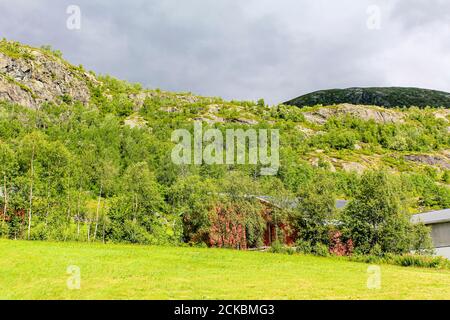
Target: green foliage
[
  {"x": 404, "y": 260},
  {"x": 422, "y": 243},
  {"x": 278, "y": 247},
  {"x": 303, "y": 247},
  {"x": 4, "y": 229},
  {"x": 15, "y": 50},
  {"x": 48, "y": 49},
  {"x": 337, "y": 139},
  {"x": 193, "y": 199},
  {"x": 315, "y": 210},
  {"x": 321, "y": 250},
  {"x": 95, "y": 178},
  {"x": 385, "y": 97},
  {"x": 375, "y": 216}
]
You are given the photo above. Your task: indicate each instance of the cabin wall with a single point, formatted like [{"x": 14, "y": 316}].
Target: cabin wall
[{"x": 440, "y": 233}]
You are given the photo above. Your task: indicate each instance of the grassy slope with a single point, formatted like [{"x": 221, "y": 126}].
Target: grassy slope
[{"x": 36, "y": 270}]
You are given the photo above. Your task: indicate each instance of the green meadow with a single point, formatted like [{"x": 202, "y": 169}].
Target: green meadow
[{"x": 39, "y": 270}]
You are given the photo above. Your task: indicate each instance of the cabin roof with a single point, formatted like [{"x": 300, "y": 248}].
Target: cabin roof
[{"x": 432, "y": 217}]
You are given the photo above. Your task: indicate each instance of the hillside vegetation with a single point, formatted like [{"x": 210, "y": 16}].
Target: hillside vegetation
[
  {"x": 85, "y": 157},
  {"x": 384, "y": 97}
]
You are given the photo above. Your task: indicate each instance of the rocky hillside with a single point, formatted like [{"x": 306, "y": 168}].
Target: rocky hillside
[
  {"x": 31, "y": 76},
  {"x": 384, "y": 97},
  {"x": 343, "y": 139}
]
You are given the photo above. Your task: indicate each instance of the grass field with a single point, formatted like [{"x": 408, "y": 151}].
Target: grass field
[{"x": 38, "y": 270}]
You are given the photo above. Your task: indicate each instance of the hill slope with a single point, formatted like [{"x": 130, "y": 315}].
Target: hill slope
[
  {"x": 384, "y": 97},
  {"x": 93, "y": 137}
]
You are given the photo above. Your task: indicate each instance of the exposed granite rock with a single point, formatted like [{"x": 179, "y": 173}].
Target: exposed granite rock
[
  {"x": 12, "y": 92},
  {"x": 244, "y": 121},
  {"x": 430, "y": 160},
  {"x": 135, "y": 121},
  {"x": 321, "y": 115},
  {"x": 212, "y": 119},
  {"x": 169, "y": 109},
  {"x": 30, "y": 82},
  {"x": 353, "y": 167},
  {"x": 442, "y": 114}
]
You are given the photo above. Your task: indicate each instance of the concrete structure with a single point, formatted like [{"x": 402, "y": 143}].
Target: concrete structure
[{"x": 439, "y": 221}]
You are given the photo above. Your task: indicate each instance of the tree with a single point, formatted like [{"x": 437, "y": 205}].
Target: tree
[
  {"x": 8, "y": 168},
  {"x": 315, "y": 210},
  {"x": 376, "y": 216},
  {"x": 136, "y": 215},
  {"x": 193, "y": 199}
]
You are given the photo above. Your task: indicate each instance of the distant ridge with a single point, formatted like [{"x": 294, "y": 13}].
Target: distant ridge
[{"x": 388, "y": 97}]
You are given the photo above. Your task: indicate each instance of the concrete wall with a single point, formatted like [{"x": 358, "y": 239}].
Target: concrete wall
[
  {"x": 440, "y": 232},
  {"x": 444, "y": 252}
]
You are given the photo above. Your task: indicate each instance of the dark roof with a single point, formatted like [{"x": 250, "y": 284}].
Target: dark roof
[{"x": 293, "y": 203}]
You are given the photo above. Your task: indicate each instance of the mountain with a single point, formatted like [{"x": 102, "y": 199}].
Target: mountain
[
  {"x": 383, "y": 97},
  {"x": 89, "y": 135}
]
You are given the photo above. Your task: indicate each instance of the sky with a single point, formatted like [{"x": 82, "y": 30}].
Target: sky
[{"x": 245, "y": 49}]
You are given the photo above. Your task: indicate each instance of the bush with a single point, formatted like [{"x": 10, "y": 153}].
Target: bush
[
  {"x": 4, "y": 229},
  {"x": 321, "y": 250},
  {"x": 376, "y": 251},
  {"x": 411, "y": 260},
  {"x": 338, "y": 245},
  {"x": 303, "y": 247},
  {"x": 365, "y": 258},
  {"x": 422, "y": 243},
  {"x": 39, "y": 232},
  {"x": 406, "y": 260},
  {"x": 278, "y": 247}
]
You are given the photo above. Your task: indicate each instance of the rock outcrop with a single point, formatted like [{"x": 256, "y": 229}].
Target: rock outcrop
[
  {"x": 432, "y": 160},
  {"x": 42, "y": 78},
  {"x": 321, "y": 115}
]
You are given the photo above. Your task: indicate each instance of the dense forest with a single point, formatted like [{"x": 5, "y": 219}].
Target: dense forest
[
  {"x": 384, "y": 97},
  {"x": 100, "y": 170}
]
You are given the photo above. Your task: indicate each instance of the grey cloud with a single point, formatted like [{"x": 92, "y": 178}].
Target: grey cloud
[
  {"x": 242, "y": 49},
  {"x": 414, "y": 14}
]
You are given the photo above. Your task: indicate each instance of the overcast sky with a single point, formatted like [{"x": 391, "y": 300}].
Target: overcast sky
[{"x": 246, "y": 49}]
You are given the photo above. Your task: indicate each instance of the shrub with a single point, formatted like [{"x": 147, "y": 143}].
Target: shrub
[
  {"x": 422, "y": 243},
  {"x": 376, "y": 251},
  {"x": 4, "y": 229},
  {"x": 39, "y": 232},
  {"x": 303, "y": 247},
  {"x": 365, "y": 258},
  {"x": 405, "y": 260},
  {"x": 321, "y": 250},
  {"x": 411, "y": 260},
  {"x": 338, "y": 246},
  {"x": 276, "y": 247}
]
